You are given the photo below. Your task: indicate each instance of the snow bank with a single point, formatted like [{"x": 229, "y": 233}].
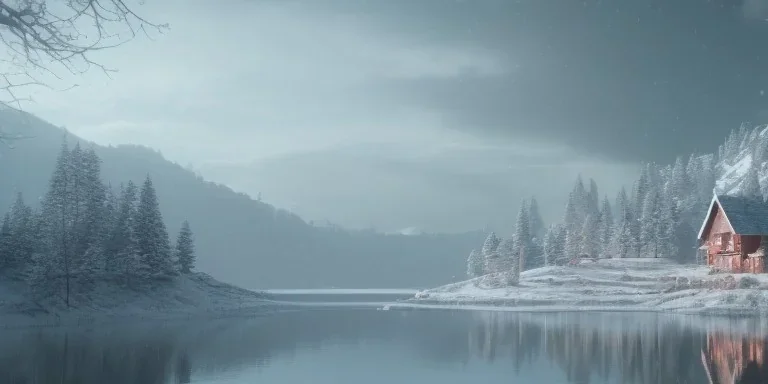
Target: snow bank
[
  {"x": 188, "y": 296},
  {"x": 610, "y": 285}
]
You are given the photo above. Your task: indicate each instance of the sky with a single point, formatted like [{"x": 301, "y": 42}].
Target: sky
[{"x": 257, "y": 93}]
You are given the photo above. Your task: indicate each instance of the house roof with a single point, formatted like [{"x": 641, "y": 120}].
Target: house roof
[{"x": 746, "y": 216}]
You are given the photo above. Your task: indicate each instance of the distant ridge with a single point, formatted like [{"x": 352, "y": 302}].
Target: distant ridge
[{"x": 239, "y": 239}]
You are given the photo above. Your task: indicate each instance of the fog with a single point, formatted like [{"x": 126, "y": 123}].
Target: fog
[{"x": 432, "y": 115}]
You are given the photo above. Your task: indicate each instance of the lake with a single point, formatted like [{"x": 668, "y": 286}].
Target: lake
[{"x": 328, "y": 345}]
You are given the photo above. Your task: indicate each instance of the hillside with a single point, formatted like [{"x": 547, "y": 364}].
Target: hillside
[{"x": 241, "y": 240}]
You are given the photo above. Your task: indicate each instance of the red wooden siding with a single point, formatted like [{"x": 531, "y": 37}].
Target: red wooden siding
[{"x": 728, "y": 251}]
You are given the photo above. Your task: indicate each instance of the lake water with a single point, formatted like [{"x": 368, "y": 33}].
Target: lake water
[{"x": 365, "y": 345}]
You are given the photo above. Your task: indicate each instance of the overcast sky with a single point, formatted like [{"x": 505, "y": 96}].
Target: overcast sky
[{"x": 611, "y": 82}]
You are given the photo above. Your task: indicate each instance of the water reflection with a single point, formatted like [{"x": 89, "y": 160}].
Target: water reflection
[
  {"x": 640, "y": 348},
  {"x": 417, "y": 346},
  {"x": 729, "y": 360}
]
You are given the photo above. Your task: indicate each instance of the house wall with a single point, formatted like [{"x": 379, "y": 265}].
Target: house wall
[
  {"x": 734, "y": 259},
  {"x": 719, "y": 225}
]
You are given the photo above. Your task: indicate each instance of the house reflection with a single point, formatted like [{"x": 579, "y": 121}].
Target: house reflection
[{"x": 734, "y": 360}]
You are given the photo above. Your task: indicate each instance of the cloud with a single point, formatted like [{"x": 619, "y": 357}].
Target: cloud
[
  {"x": 755, "y": 9},
  {"x": 257, "y": 79}
]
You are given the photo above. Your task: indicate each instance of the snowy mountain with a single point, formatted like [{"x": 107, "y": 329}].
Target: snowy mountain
[{"x": 743, "y": 150}]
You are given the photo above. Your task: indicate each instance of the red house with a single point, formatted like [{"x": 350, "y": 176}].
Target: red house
[{"x": 732, "y": 234}]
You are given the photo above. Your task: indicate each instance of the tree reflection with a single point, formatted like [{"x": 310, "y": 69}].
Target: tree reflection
[
  {"x": 595, "y": 348},
  {"x": 586, "y": 348}
]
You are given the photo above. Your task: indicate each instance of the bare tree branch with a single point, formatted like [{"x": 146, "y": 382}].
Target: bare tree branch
[{"x": 41, "y": 36}]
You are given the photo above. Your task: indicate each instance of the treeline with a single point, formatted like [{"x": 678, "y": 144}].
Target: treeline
[
  {"x": 659, "y": 217},
  {"x": 83, "y": 233},
  {"x": 524, "y": 250}
]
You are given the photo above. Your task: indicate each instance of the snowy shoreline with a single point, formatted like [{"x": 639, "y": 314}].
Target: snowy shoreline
[
  {"x": 188, "y": 297},
  {"x": 612, "y": 285}
]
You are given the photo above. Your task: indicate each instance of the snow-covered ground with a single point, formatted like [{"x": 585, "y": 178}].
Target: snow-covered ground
[
  {"x": 187, "y": 296},
  {"x": 609, "y": 285}
]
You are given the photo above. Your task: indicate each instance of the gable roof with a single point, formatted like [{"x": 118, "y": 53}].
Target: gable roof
[{"x": 745, "y": 216}]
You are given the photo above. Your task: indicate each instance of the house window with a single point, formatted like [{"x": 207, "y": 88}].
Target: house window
[{"x": 725, "y": 240}]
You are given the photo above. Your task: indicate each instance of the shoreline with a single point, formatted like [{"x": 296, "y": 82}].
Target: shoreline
[
  {"x": 608, "y": 285},
  {"x": 197, "y": 296}
]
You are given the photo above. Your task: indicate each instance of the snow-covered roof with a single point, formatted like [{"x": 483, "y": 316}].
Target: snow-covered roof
[{"x": 745, "y": 216}]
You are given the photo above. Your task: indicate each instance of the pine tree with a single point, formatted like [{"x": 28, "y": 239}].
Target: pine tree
[
  {"x": 6, "y": 255},
  {"x": 151, "y": 235},
  {"x": 522, "y": 238},
  {"x": 512, "y": 276},
  {"x": 640, "y": 191},
  {"x": 475, "y": 264},
  {"x": 491, "y": 243},
  {"x": 54, "y": 266},
  {"x": 679, "y": 183},
  {"x": 670, "y": 234},
  {"x": 750, "y": 187},
  {"x": 605, "y": 229},
  {"x": 593, "y": 199},
  {"x": 185, "y": 249},
  {"x": 580, "y": 201},
  {"x": 507, "y": 255},
  {"x": 551, "y": 249},
  {"x": 572, "y": 244},
  {"x": 590, "y": 245},
  {"x": 650, "y": 224},
  {"x": 93, "y": 226},
  {"x": 535, "y": 221},
  {"x": 571, "y": 219},
  {"x": 121, "y": 250},
  {"x": 23, "y": 234},
  {"x": 623, "y": 236}
]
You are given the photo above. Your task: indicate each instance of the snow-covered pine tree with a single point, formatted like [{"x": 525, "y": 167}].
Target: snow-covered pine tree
[
  {"x": 623, "y": 236},
  {"x": 122, "y": 252},
  {"x": 579, "y": 198},
  {"x": 640, "y": 190},
  {"x": 6, "y": 255},
  {"x": 56, "y": 261},
  {"x": 23, "y": 234},
  {"x": 475, "y": 264},
  {"x": 491, "y": 243},
  {"x": 572, "y": 225},
  {"x": 537, "y": 227},
  {"x": 670, "y": 235},
  {"x": 76, "y": 203},
  {"x": 551, "y": 247},
  {"x": 570, "y": 219},
  {"x": 679, "y": 183},
  {"x": 534, "y": 256},
  {"x": 507, "y": 255},
  {"x": 185, "y": 249},
  {"x": 605, "y": 229},
  {"x": 151, "y": 235},
  {"x": 650, "y": 224},
  {"x": 94, "y": 225},
  {"x": 522, "y": 238},
  {"x": 593, "y": 198},
  {"x": 750, "y": 187},
  {"x": 572, "y": 244},
  {"x": 590, "y": 245}
]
